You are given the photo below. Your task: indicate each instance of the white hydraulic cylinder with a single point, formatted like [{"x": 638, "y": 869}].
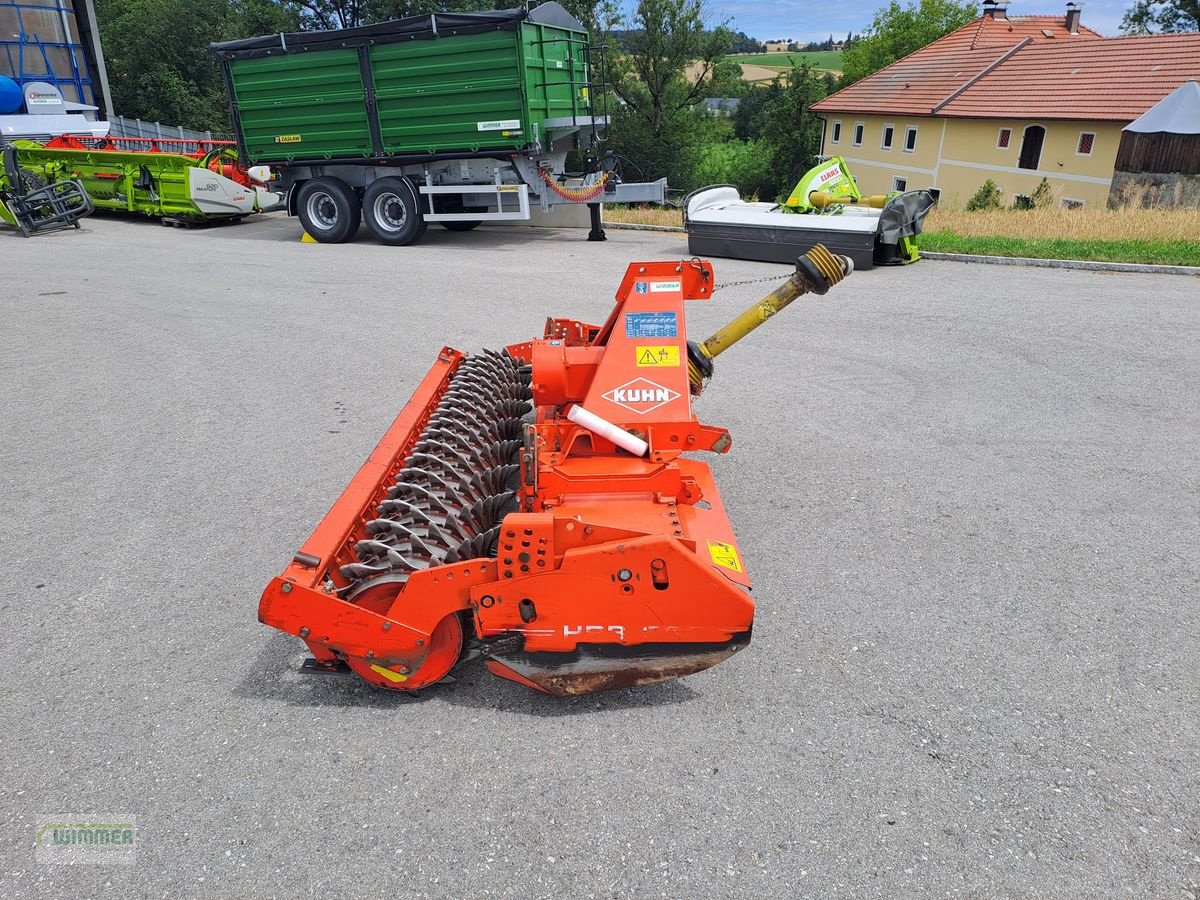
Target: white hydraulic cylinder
[{"x": 607, "y": 429}]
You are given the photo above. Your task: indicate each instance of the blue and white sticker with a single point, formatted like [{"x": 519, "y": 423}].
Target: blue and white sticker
[
  {"x": 651, "y": 325},
  {"x": 657, "y": 287},
  {"x": 499, "y": 125}
]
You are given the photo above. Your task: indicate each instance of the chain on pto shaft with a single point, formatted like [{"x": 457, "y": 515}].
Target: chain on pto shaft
[{"x": 729, "y": 284}]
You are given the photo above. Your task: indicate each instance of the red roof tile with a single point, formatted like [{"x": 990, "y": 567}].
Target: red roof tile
[
  {"x": 913, "y": 85},
  {"x": 988, "y": 32},
  {"x": 1115, "y": 79},
  {"x": 1026, "y": 67}
]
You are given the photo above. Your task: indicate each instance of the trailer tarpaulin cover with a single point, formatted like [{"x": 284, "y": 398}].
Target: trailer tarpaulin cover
[{"x": 413, "y": 28}]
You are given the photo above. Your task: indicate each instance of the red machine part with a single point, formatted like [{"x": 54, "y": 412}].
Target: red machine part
[
  {"x": 221, "y": 156},
  {"x": 616, "y": 569}
]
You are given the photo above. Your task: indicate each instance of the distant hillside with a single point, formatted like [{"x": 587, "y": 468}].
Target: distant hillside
[
  {"x": 742, "y": 43},
  {"x": 830, "y": 60},
  {"x": 750, "y": 73}
]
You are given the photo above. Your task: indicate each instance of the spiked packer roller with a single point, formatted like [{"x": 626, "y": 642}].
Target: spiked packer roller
[{"x": 534, "y": 507}]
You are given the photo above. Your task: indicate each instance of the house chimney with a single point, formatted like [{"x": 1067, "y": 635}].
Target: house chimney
[
  {"x": 995, "y": 9},
  {"x": 1072, "y": 23}
]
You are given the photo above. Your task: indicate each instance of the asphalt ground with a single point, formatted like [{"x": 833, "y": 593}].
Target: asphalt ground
[{"x": 967, "y": 496}]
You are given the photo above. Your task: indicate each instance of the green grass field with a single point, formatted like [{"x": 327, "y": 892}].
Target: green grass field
[
  {"x": 818, "y": 59},
  {"x": 1166, "y": 253}
]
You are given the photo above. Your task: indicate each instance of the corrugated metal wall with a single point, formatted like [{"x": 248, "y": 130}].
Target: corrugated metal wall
[{"x": 138, "y": 128}]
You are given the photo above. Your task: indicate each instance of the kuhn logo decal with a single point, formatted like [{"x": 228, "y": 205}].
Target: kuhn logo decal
[{"x": 640, "y": 395}]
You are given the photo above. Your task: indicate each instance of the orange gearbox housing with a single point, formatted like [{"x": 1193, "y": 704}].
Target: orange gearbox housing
[{"x": 614, "y": 569}]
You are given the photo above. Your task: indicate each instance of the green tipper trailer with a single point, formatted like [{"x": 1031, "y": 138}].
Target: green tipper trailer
[{"x": 457, "y": 118}]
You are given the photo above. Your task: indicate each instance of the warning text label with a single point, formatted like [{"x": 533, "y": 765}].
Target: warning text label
[
  {"x": 657, "y": 357},
  {"x": 725, "y": 555}
]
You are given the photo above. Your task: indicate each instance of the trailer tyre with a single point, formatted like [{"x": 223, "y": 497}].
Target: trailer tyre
[
  {"x": 329, "y": 210},
  {"x": 390, "y": 207}
]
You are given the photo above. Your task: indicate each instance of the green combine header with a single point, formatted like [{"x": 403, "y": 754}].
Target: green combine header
[{"x": 122, "y": 174}]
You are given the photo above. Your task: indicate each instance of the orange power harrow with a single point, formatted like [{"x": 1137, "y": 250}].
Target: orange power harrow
[{"x": 534, "y": 507}]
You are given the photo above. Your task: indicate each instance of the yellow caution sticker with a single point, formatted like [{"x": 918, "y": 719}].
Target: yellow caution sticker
[
  {"x": 657, "y": 357},
  {"x": 389, "y": 674},
  {"x": 508, "y": 188},
  {"x": 288, "y": 139},
  {"x": 725, "y": 555}
]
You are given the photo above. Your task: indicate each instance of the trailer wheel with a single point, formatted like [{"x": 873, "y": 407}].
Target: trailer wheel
[
  {"x": 390, "y": 206},
  {"x": 329, "y": 210}
]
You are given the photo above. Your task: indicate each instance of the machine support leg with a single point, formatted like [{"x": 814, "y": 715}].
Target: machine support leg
[{"x": 597, "y": 232}]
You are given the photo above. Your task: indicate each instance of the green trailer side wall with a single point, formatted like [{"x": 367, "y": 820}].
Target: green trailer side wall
[
  {"x": 459, "y": 93},
  {"x": 316, "y": 97},
  {"x": 440, "y": 94},
  {"x": 555, "y": 73}
]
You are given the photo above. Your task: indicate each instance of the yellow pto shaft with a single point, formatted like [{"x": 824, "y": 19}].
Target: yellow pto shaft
[
  {"x": 824, "y": 200},
  {"x": 816, "y": 272}
]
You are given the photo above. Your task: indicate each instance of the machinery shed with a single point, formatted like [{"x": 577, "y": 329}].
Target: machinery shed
[{"x": 1158, "y": 161}]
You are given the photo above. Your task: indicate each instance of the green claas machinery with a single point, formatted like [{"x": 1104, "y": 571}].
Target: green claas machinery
[
  {"x": 453, "y": 118},
  {"x": 122, "y": 174},
  {"x": 31, "y": 204},
  {"x": 826, "y": 207}
]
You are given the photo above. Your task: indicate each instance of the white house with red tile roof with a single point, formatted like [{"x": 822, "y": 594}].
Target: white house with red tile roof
[{"x": 1011, "y": 98}]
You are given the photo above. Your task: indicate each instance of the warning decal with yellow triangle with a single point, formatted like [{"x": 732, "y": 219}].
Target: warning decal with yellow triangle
[
  {"x": 657, "y": 357},
  {"x": 725, "y": 555}
]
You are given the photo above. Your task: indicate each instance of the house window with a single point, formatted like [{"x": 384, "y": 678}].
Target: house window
[
  {"x": 899, "y": 184},
  {"x": 889, "y": 132},
  {"x": 910, "y": 139},
  {"x": 859, "y": 128},
  {"x": 1004, "y": 138},
  {"x": 1086, "y": 140},
  {"x": 1069, "y": 203},
  {"x": 836, "y": 136}
]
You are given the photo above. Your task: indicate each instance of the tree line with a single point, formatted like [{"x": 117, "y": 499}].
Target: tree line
[{"x": 665, "y": 60}]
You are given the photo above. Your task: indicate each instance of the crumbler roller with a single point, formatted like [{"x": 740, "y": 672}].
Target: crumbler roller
[{"x": 534, "y": 507}]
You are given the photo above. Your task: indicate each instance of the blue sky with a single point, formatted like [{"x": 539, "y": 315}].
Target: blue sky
[{"x": 808, "y": 20}]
